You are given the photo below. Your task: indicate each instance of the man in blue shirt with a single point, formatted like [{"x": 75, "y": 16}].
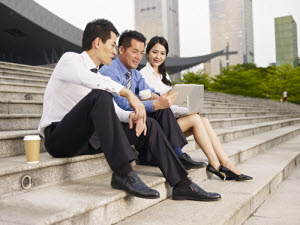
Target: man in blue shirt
[{"x": 123, "y": 70}]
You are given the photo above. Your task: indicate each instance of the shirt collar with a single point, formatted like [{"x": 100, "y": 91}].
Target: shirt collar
[
  {"x": 148, "y": 65},
  {"x": 122, "y": 66},
  {"x": 88, "y": 61}
]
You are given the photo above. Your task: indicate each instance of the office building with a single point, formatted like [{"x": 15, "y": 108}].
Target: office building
[
  {"x": 159, "y": 17},
  {"x": 231, "y": 29},
  {"x": 286, "y": 41}
]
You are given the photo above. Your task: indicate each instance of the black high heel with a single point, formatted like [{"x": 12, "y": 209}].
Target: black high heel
[
  {"x": 210, "y": 170},
  {"x": 232, "y": 176}
]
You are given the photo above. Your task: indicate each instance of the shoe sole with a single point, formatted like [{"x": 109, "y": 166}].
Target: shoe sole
[
  {"x": 193, "y": 167},
  {"x": 194, "y": 199},
  {"x": 116, "y": 186}
]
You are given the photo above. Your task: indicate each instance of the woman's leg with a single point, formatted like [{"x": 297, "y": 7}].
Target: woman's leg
[
  {"x": 192, "y": 124},
  {"x": 217, "y": 146}
]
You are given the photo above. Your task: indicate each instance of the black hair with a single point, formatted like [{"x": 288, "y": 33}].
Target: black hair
[
  {"x": 162, "y": 67},
  {"x": 97, "y": 28},
  {"x": 128, "y": 35}
]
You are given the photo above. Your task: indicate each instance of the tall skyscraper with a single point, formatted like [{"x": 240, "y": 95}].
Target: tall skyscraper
[
  {"x": 159, "y": 17},
  {"x": 231, "y": 27},
  {"x": 286, "y": 41}
]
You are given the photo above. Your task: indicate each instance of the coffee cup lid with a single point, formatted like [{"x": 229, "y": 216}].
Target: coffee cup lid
[{"x": 31, "y": 137}]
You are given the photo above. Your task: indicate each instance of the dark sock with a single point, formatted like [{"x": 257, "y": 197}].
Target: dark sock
[
  {"x": 178, "y": 151},
  {"x": 183, "y": 183},
  {"x": 124, "y": 170}
]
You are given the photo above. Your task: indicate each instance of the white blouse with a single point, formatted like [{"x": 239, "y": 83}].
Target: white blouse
[{"x": 154, "y": 80}]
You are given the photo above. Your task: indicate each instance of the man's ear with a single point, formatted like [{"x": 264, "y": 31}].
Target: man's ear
[
  {"x": 121, "y": 50},
  {"x": 97, "y": 42}
]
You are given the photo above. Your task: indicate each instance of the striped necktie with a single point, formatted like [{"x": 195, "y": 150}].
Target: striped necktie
[{"x": 128, "y": 78}]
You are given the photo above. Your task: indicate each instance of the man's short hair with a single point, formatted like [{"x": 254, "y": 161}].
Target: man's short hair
[
  {"x": 97, "y": 28},
  {"x": 128, "y": 35}
]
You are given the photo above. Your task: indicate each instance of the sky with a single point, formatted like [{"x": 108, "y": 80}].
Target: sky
[{"x": 194, "y": 25}]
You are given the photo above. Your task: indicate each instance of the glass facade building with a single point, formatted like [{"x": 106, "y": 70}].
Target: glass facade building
[
  {"x": 231, "y": 27},
  {"x": 159, "y": 17},
  {"x": 286, "y": 41}
]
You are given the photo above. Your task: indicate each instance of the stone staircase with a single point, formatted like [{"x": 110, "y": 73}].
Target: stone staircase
[{"x": 261, "y": 136}]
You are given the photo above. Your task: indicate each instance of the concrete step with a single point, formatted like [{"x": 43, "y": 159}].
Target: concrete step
[
  {"x": 25, "y": 75},
  {"x": 21, "y": 95},
  {"x": 228, "y": 134},
  {"x": 21, "y": 107},
  {"x": 242, "y": 109},
  {"x": 12, "y": 144},
  {"x": 232, "y": 122},
  {"x": 250, "y": 100},
  {"x": 15, "y": 107},
  {"x": 56, "y": 170},
  {"x": 221, "y": 115},
  {"x": 8, "y": 86},
  {"x": 282, "y": 207},
  {"x": 92, "y": 201},
  {"x": 208, "y": 103},
  {"x": 23, "y": 80},
  {"x": 239, "y": 199},
  {"x": 10, "y": 122},
  {"x": 26, "y": 68}
]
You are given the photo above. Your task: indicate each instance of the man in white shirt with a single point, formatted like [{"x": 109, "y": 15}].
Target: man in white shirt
[{"x": 78, "y": 102}]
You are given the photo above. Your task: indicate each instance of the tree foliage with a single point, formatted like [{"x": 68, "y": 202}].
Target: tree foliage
[
  {"x": 250, "y": 80},
  {"x": 196, "y": 78}
]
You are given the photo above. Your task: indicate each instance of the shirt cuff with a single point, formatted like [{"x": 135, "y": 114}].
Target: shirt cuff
[
  {"x": 125, "y": 117},
  {"x": 148, "y": 106},
  {"x": 118, "y": 87}
]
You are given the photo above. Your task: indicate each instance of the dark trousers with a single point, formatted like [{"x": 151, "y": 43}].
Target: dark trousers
[
  {"x": 95, "y": 112},
  {"x": 169, "y": 126},
  {"x": 157, "y": 146}
]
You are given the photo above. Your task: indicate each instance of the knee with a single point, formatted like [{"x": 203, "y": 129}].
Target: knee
[
  {"x": 101, "y": 94},
  {"x": 205, "y": 120},
  {"x": 151, "y": 123},
  {"x": 195, "y": 118}
]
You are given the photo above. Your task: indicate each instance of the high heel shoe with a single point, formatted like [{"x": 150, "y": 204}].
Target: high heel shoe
[
  {"x": 210, "y": 170},
  {"x": 232, "y": 176}
]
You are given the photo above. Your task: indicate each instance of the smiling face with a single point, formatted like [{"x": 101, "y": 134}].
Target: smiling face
[
  {"x": 132, "y": 56},
  {"x": 157, "y": 55},
  {"x": 106, "y": 51}
]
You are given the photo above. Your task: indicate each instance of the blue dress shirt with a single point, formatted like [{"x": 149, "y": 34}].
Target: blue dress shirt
[{"x": 117, "y": 72}]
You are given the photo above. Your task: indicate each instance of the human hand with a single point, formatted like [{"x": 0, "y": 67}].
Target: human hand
[
  {"x": 140, "y": 126},
  {"x": 135, "y": 103},
  {"x": 154, "y": 96},
  {"x": 165, "y": 100}
]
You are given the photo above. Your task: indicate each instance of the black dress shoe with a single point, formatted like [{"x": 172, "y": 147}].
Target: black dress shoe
[
  {"x": 133, "y": 185},
  {"x": 232, "y": 176},
  {"x": 189, "y": 163},
  {"x": 210, "y": 170},
  {"x": 194, "y": 192}
]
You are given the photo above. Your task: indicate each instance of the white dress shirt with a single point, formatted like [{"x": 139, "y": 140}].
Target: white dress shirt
[
  {"x": 71, "y": 81},
  {"x": 154, "y": 80}
]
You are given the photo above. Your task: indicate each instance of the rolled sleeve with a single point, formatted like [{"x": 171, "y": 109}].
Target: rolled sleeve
[
  {"x": 148, "y": 106},
  {"x": 122, "y": 114}
]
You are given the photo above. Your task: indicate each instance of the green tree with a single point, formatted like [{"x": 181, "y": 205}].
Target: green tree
[{"x": 196, "y": 78}]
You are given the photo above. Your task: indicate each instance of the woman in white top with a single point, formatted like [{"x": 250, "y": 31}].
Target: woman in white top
[{"x": 156, "y": 77}]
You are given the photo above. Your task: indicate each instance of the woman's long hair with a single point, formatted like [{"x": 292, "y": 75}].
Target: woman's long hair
[{"x": 162, "y": 67}]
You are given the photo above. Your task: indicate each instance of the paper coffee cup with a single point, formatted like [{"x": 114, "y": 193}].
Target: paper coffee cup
[
  {"x": 32, "y": 148},
  {"x": 145, "y": 95}
]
